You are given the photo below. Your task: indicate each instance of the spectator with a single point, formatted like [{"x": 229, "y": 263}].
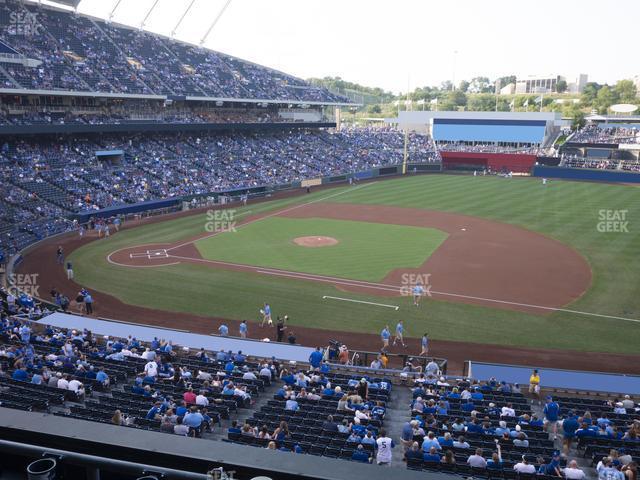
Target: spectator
[{"x": 477, "y": 460}]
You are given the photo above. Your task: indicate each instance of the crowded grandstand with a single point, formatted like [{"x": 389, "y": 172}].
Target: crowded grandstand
[{"x": 106, "y": 127}]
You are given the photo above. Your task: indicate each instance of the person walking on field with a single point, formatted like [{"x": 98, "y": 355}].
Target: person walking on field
[
  {"x": 399, "y": 334},
  {"x": 266, "y": 315},
  {"x": 418, "y": 292},
  {"x": 384, "y": 336},
  {"x": 424, "y": 344},
  {"x": 243, "y": 329}
]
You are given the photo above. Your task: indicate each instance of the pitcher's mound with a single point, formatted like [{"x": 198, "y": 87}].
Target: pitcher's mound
[{"x": 315, "y": 241}]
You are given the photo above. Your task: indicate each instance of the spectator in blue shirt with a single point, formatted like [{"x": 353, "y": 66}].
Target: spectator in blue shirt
[
  {"x": 315, "y": 359},
  {"x": 360, "y": 455},
  {"x": 102, "y": 377},
  {"x": 551, "y": 411},
  {"x": 570, "y": 426},
  {"x": 229, "y": 367},
  {"x": 325, "y": 368},
  {"x": 20, "y": 374},
  {"x": 431, "y": 456},
  {"x": 193, "y": 419},
  {"x": 430, "y": 441},
  {"x": 153, "y": 411}
]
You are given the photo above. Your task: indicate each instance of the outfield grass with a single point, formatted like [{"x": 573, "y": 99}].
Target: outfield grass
[
  {"x": 567, "y": 211},
  {"x": 365, "y": 251}
]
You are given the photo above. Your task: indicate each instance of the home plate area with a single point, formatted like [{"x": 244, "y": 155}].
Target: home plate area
[{"x": 150, "y": 254}]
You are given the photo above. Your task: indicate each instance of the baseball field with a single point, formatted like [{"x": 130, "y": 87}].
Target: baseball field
[{"x": 505, "y": 261}]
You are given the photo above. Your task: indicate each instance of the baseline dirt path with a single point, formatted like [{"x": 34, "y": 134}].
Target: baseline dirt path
[{"x": 42, "y": 259}]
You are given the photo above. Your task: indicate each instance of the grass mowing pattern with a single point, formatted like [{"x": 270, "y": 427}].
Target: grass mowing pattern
[
  {"x": 567, "y": 211},
  {"x": 366, "y": 251}
]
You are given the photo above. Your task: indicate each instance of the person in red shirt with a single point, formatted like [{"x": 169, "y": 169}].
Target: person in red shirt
[{"x": 189, "y": 397}]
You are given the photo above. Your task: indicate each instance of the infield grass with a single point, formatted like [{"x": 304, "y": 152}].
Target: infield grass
[{"x": 365, "y": 251}]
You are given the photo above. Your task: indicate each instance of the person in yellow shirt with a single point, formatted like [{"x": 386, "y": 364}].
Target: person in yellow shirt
[
  {"x": 384, "y": 359},
  {"x": 534, "y": 384}
]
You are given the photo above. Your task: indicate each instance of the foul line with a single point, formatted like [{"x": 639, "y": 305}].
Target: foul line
[
  {"x": 273, "y": 214},
  {"x": 360, "y": 301}
]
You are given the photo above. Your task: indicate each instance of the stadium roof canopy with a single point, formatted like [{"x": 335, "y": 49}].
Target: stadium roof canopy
[{"x": 66, "y": 3}]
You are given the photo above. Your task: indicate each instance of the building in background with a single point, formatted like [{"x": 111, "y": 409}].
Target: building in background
[
  {"x": 508, "y": 89},
  {"x": 549, "y": 83}
]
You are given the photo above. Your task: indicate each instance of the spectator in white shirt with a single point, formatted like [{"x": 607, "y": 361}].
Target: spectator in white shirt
[
  {"x": 508, "y": 411},
  {"x": 461, "y": 443},
  {"x": 201, "y": 399},
  {"x": 524, "y": 466},
  {"x": 151, "y": 369},
  {"x": 249, "y": 376},
  {"x": 572, "y": 472},
  {"x": 62, "y": 382},
  {"x": 477, "y": 460}
]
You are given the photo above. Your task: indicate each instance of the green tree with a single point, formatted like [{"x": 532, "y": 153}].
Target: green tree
[
  {"x": 375, "y": 109},
  {"x": 458, "y": 98},
  {"x": 561, "y": 86},
  {"x": 605, "y": 98},
  {"x": 504, "y": 81},
  {"x": 480, "y": 85},
  {"x": 482, "y": 103},
  {"x": 590, "y": 93},
  {"x": 446, "y": 86},
  {"x": 626, "y": 91},
  {"x": 464, "y": 86}
]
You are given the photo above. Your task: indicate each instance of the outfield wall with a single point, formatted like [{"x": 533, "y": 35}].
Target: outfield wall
[
  {"x": 515, "y": 162},
  {"x": 594, "y": 175}
]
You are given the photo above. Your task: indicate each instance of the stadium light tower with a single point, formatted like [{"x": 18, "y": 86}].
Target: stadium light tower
[
  {"x": 175, "y": 29},
  {"x": 215, "y": 21},
  {"x": 144, "y": 20},
  {"x": 453, "y": 82},
  {"x": 113, "y": 10}
]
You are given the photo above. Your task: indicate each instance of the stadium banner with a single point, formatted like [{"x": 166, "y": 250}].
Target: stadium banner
[
  {"x": 586, "y": 174},
  {"x": 312, "y": 182},
  {"x": 363, "y": 175},
  {"x": 388, "y": 171},
  {"x": 424, "y": 167}
]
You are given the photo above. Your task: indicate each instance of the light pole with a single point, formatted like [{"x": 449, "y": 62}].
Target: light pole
[{"x": 453, "y": 82}]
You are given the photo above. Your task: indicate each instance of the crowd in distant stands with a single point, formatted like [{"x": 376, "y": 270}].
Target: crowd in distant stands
[
  {"x": 487, "y": 148},
  {"x": 598, "y": 134},
  {"x": 111, "y": 116},
  {"x": 44, "y": 181},
  {"x": 83, "y": 54}
]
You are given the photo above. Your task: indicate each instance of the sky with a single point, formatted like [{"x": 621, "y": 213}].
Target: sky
[{"x": 404, "y": 44}]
